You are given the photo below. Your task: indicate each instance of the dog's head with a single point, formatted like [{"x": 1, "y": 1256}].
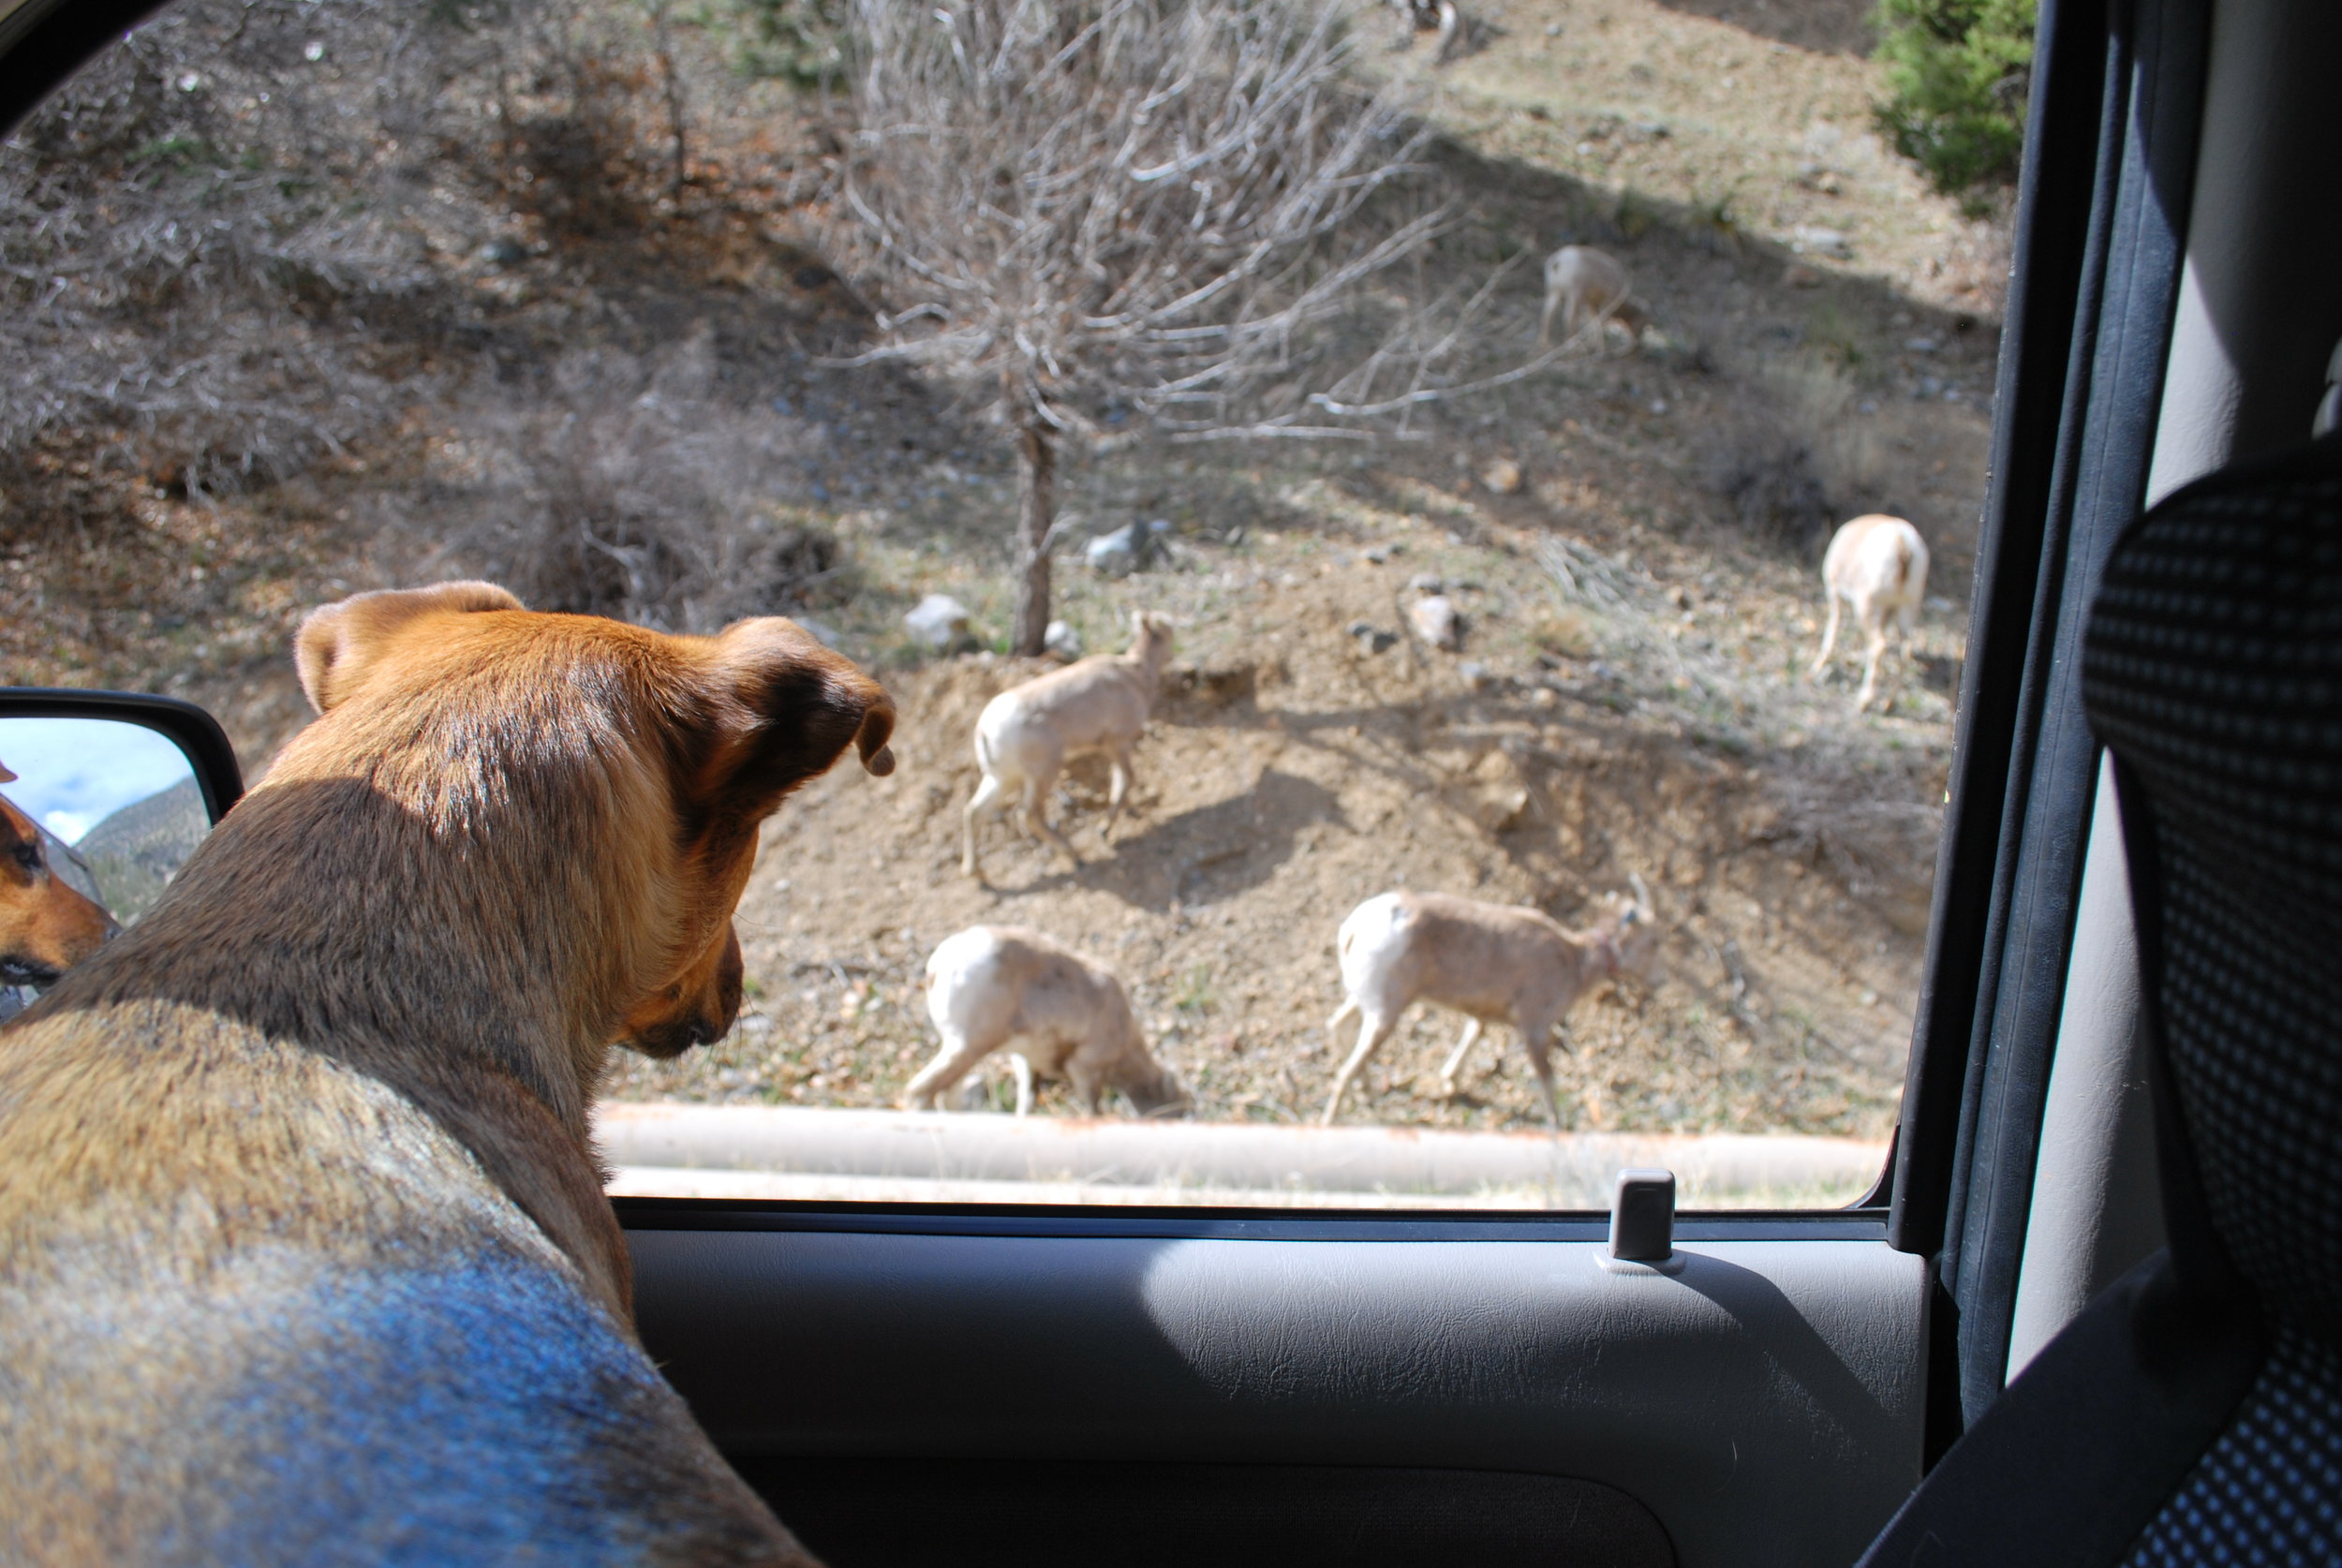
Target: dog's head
[
  {"x": 46, "y": 927},
  {"x": 653, "y": 758}
]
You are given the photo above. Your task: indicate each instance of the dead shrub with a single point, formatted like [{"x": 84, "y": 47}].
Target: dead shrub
[
  {"x": 1789, "y": 463},
  {"x": 629, "y": 486}
]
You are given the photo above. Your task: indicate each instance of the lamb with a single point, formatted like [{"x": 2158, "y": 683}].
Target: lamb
[
  {"x": 1587, "y": 285},
  {"x": 1879, "y": 564},
  {"x": 1491, "y": 962},
  {"x": 1026, "y": 734},
  {"x": 990, "y": 985}
]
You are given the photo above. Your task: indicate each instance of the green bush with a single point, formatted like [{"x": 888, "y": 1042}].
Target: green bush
[
  {"x": 797, "y": 42},
  {"x": 1957, "y": 75}
]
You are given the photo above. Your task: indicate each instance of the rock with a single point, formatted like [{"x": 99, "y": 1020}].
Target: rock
[
  {"x": 938, "y": 621},
  {"x": 1211, "y": 686},
  {"x": 1424, "y": 583},
  {"x": 1477, "y": 675},
  {"x": 1920, "y": 345},
  {"x": 1377, "y": 555},
  {"x": 1566, "y": 633},
  {"x": 1502, "y": 477},
  {"x": 1796, "y": 275},
  {"x": 503, "y": 252},
  {"x": 1063, "y": 640},
  {"x": 1494, "y": 794},
  {"x": 1807, "y": 240},
  {"x": 1375, "y": 638},
  {"x": 1133, "y": 547},
  {"x": 1117, "y": 554},
  {"x": 1435, "y": 621}
]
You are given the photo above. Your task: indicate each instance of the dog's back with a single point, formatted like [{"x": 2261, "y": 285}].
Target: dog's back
[
  {"x": 304, "y": 1254},
  {"x": 299, "y": 1324}
]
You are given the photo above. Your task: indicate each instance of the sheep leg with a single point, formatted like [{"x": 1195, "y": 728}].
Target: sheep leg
[
  {"x": 1829, "y": 639},
  {"x": 1343, "y": 1015},
  {"x": 1087, "y": 1086},
  {"x": 1875, "y": 641},
  {"x": 1540, "y": 1059},
  {"x": 1456, "y": 1060},
  {"x": 1118, "y": 787},
  {"x": 1371, "y": 1033},
  {"x": 988, "y": 795},
  {"x": 950, "y": 1064},
  {"x": 1037, "y": 820},
  {"x": 1021, "y": 1065}
]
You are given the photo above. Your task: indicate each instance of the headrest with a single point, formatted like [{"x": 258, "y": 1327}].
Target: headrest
[{"x": 2212, "y": 669}]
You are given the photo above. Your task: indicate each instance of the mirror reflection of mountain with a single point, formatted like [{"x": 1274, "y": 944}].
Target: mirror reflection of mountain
[{"x": 134, "y": 852}]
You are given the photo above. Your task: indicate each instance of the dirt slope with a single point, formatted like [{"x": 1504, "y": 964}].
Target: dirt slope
[{"x": 1295, "y": 771}]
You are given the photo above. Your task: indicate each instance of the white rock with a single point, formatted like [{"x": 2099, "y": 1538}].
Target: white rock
[
  {"x": 1063, "y": 640},
  {"x": 1808, "y": 241},
  {"x": 1120, "y": 553},
  {"x": 938, "y": 620},
  {"x": 1435, "y": 621}
]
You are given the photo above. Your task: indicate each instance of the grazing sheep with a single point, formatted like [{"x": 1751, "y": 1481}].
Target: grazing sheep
[
  {"x": 1879, "y": 564},
  {"x": 1492, "y": 962},
  {"x": 990, "y": 985},
  {"x": 1026, "y": 734},
  {"x": 1587, "y": 285}
]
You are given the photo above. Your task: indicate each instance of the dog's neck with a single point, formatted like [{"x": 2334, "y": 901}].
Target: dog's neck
[{"x": 474, "y": 985}]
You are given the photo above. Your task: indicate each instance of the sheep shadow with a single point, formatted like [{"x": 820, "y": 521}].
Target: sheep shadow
[
  {"x": 1204, "y": 854},
  {"x": 1820, "y": 26}
]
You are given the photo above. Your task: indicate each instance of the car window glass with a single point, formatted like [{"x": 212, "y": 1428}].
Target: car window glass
[{"x": 1475, "y": 457}]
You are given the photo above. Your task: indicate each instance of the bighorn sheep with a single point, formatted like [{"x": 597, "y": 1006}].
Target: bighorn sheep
[
  {"x": 990, "y": 985},
  {"x": 1426, "y": 16},
  {"x": 1026, "y": 734},
  {"x": 1492, "y": 962},
  {"x": 1879, "y": 564},
  {"x": 1587, "y": 285}
]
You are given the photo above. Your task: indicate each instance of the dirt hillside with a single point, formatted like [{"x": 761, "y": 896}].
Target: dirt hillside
[
  {"x": 1630, "y": 536},
  {"x": 1293, "y": 770}
]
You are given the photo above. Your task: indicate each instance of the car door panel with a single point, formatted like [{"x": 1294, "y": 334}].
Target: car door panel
[
  {"x": 1022, "y": 1513},
  {"x": 1725, "y": 1397}
]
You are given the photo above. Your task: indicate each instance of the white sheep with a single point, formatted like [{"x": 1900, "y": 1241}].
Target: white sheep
[
  {"x": 1026, "y": 734},
  {"x": 1879, "y": 564},
  {"x": 1587, "y": 285},
  {"x": 1494, "y": 963},
  {"x": 992, "y": 984}
]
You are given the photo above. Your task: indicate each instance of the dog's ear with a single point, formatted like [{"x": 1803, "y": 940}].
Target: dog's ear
[
  {"x": 337, "y": 641},
  {"x": 791, "y": 709}
]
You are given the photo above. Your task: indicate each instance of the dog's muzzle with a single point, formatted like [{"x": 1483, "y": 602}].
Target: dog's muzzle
[{"x": 17, "y": 969}]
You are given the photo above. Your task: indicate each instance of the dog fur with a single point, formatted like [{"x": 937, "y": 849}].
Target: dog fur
[
  {"x": 45, "y": 926},
  {"x": 303, "y": 1251}
]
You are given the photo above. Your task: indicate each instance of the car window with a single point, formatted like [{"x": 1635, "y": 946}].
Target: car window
[{"x": 1456, "y": 481}]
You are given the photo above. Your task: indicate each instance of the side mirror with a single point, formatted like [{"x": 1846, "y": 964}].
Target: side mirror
[{"x": 103, "y": 796}]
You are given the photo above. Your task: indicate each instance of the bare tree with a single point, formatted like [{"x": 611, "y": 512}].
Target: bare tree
[{"x": 1186, "y": 217}]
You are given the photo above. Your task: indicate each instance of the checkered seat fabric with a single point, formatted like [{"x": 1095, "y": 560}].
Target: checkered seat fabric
[{"x": 2193, "y": 1413}]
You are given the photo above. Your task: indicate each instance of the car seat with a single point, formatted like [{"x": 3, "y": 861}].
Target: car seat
[{"x": 2192, "y": 1414}]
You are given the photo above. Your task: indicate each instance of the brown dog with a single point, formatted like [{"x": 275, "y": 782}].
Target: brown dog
[
  {"x": 303, "y": 1252},
  {"x": 46, "y": 927}
]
